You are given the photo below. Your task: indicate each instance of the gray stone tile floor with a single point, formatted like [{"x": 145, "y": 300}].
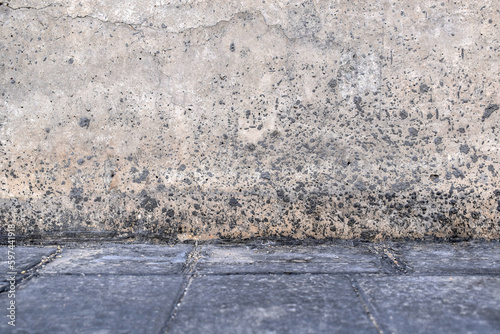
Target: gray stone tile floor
[{"x": 258, "y": 287}]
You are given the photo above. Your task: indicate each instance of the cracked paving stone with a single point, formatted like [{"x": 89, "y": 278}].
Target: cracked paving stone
[
  {"x": 271, "y": 304},
  {"x": 434, "y": 304},
  {"x": 121, "y": 259},
  {"x": 284, "y": 259},
  {"x": 94, "y": 304}
]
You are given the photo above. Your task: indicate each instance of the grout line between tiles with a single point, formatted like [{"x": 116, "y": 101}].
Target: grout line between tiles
[
  {"x": 363, "y": 302},
  {"x": 188, "y": 271}
]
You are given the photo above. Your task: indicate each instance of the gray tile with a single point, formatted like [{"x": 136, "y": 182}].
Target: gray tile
[
  {"x": 283, "y": 259},
  {"x": 434, "y": 304},
  {"x": 25, "y": 257},
  {"x": 93, "y": 304},
  {"x": 121, "y": 259},
  {"x": 271, "y": 304},
  {"x": 456, "y": 258}
]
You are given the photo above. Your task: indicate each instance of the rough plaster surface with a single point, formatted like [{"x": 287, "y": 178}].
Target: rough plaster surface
[{"x": 218, "y": 119}]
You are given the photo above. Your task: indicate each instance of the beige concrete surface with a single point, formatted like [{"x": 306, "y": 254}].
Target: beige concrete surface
[{"x": 237, "y": 119}]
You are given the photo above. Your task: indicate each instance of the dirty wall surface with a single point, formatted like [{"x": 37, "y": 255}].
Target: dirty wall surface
[{"x": 218, "y": 119}]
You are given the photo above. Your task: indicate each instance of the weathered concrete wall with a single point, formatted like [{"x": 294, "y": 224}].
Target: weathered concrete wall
[{"x": 206, "y": 119}]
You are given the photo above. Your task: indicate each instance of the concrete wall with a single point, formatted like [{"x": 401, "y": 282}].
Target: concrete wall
[{"x": 217, "y": 119}]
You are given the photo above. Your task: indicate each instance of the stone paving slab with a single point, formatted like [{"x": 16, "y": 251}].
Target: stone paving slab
[
  {"x": 271, "y": 304},
  {"x": 434, "y": 304},
  {"x": 217, "y": 259},
  {"x": 26, "y": 257},
  {"x": 121, "y": 259},
  {"x": 256, "y": 287},
  {"x": 456, "y": 258},
  {"x": 93, "y": 304}
]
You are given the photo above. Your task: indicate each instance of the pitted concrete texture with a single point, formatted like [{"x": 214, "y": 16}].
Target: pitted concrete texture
[{"x": 216, "y": 119}]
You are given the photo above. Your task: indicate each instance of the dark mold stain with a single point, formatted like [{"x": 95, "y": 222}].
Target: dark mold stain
[
  {"x": 142, "y": 177},
  {"x": 149, "y": 204},
  {"x": 76, "y": 194},
  {"x": 84, "y": 122},
  {"x": 332, "y": 84},
  {"x": 265, "y": 175},
  {"x": 234, "y": 202},
  {"x": 465, "y": 149},
  {"x": 424, "y": 88},
  {"x": 489, "y": 110}
]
